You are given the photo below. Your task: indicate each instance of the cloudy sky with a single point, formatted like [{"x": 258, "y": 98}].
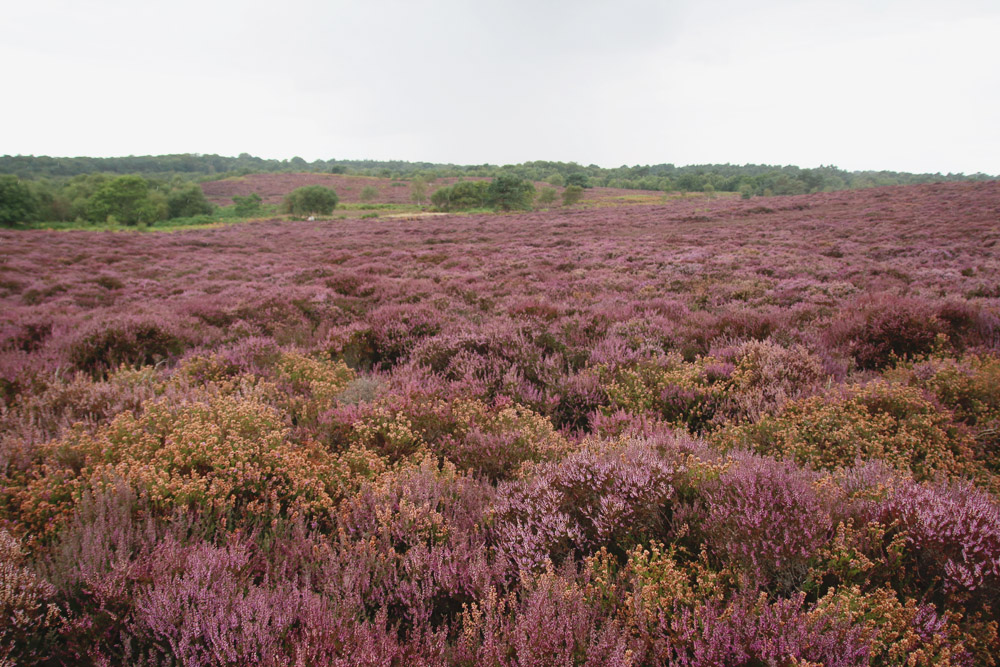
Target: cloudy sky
[{"x": 903, "y": 85}]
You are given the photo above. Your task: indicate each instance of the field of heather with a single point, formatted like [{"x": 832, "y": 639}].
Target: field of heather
[
  {"x": 272, "y": 188},
  {"x": 699, "y": 432}
]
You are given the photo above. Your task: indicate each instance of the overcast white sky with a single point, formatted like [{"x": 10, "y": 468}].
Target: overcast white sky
[{"x": 903, "y": 85}]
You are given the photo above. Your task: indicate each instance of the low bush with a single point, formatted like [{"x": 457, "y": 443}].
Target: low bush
[
  {"x": 461, "y": 196},
  {"x": 610, "y": 497},
  {"x": 125, "y": 340},
  {"x": 876, "y": 331},
  {"x": 223, "y": 455},
  {"x": 310, "y": 200},
  {"x": 875, "y": 422},
  {"x": 30, "y": 616},
  {"x": 572, "y": 195},
  {"x": 768, "y": 517}
]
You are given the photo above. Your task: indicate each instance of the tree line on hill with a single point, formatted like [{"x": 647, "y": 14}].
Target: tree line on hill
[{"x": 749, "y": 179}]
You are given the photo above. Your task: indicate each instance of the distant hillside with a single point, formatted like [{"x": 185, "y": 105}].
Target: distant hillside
[{"x": 749, "y": 180}]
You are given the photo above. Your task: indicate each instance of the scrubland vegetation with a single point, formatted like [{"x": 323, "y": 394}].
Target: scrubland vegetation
[
  {"x": 62, "y": 189},
  {"x": 699, "y": 432}
]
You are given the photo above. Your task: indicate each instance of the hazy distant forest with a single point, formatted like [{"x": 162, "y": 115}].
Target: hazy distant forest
[
  {"x": 62, "y": 189},
  {"x": 544, "y": 415}
]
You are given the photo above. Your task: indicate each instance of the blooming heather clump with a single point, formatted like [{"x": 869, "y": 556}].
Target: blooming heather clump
[
  {"x": 209, "y": 605},
  {"x": 551, "y": 623},
  {"x": 767, "y": 375},
  {"x": 596, "y": 497},
  {"x": 748, "y": 630},
  {"x": 770, "y": 517},
  {"x": 386, "y": 335},
  {"x": 501, "y": 357},
  {"x": 580, "y": 397},
  {"x": 954, "y": 531},
  {"x": 879, "y": 329},
  {"x": 498, "y": 443},
  {"x": 28, "y": 618},
  {"x": 904, "y": 632}
]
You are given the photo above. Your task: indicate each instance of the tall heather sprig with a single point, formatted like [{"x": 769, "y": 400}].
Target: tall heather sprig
[{"x": 768, "y": 516}]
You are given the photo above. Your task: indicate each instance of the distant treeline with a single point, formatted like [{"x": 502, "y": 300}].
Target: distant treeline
[
  {"x": 749, "y": 180},
  {"x": 128, "y": 199}
]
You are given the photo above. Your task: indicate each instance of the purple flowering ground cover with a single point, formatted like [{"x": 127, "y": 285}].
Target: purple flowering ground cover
[{"x": 698, "y": 432}]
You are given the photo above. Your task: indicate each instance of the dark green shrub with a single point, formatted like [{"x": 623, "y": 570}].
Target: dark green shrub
[
  {"x": 461, "y": 196},
  {"x": 547, "y": 196},
  {"x": 128, "y": 200},
  {"x": 17, "y": 203},
  {"x": 187, "y": 201},
  {"x": 572, "y": 194},
  {"x": 508, "y": 192},
  {"x": 247, "y": 205},
  {"x": 309, "y": 200}
]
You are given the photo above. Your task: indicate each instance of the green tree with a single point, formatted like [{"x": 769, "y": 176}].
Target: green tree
[
  {"x": 547, "y": 196},
  {"x": 17, "y": 202},
  {"x": 186, "y": 201},
  {"x": 572, "y": 194},
  {"x": 462, "y": 196},
  {"x": 556, "y": 179},
  {"x": 311, "y": 200},
  {"x": 368, "y": 193},
  {"x": 246, "y": 206},
  {"x": 418, "y": 190},
  {"x": 508, "y": 192},
  {"x": 128, "y": 200},
  {"x": 578, "y": 179}
]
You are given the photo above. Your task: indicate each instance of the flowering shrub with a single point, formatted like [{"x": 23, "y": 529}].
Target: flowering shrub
[
  {"x": 595, "y": 497},
  {"x": 501, "y": 357},
  {"x": 879, "y": 329},
  {"x": 749, "y": 630},
  {"x": 966, "y": 386},
  {"x": 315, "y": 384},
  {"x": 551, "y": 624},
  {"x": 491, "y": 441},
  {"x": 769, "y": 516},
  {"x": 900, "y": 633},
  {"x": 29, "y": 619},
  {"x": 954, "y": 531},
  {"x": 766, "y": 375},
  {"x": 386, "y": 336}
]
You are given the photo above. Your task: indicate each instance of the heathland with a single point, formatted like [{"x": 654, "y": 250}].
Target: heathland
[{"x": 635, "y": 430}]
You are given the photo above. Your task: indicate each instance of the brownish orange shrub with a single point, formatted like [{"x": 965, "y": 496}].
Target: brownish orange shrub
[{"x": 875, "y": 422}]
